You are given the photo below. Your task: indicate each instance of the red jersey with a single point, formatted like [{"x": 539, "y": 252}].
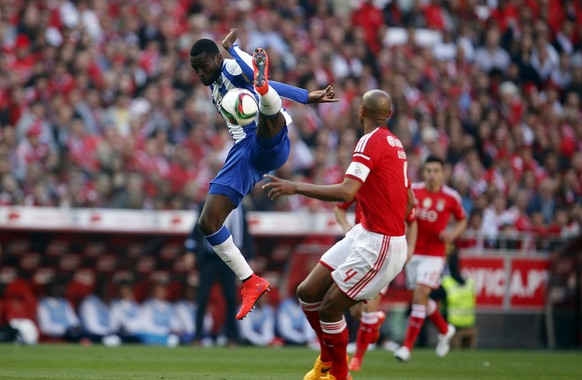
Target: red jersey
[
  {"x": 433, "y": 211},
  {"x": 357, "y": 211},
  {"x": 380, "y": 163}
]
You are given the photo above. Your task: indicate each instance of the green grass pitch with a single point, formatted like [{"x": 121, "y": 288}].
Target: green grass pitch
[{"x": 65, "y": 362}]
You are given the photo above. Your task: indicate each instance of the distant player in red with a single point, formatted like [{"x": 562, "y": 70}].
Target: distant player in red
[
  {"x": 434, "y": 204},
  {"x": 373, "y": 252},
  {"x": 371, "y": 319}
]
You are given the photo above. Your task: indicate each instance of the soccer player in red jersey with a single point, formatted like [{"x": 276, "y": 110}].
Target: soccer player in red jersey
[
  {"x": 372, "y": 253},
  {"x": 435, "y": 203},
  {"x": 371, "y": 319}
]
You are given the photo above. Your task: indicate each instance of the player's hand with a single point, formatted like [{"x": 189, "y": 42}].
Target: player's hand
[
  {"x": 279, "y": 187},
  {"x": 189, "y": 260},
  {"x": 447, "y": 237},
  {"x": 327, "y": 95},
  {"x": 230, "y": 39},
  {"x": 409, "y": 255},
  {"x": 347, "y": 228}
]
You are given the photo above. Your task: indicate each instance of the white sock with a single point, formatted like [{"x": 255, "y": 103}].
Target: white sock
[
  {"x": 270, "y": 103},
  {"x": 232, "y": 256},
  {"x": 369, "y": 318}
]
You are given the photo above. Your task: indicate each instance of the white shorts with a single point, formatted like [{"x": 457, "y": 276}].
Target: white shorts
[
  {"x": 364, "y": 262},
  {"x": 384, "y": 290},
  {"x": 424, "y": 270}
]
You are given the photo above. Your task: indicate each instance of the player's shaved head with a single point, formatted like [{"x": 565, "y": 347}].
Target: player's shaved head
[{"x": 377, "y": 106}]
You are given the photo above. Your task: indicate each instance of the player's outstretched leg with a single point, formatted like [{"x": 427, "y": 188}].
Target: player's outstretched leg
[{"x": 271, "y": 120}]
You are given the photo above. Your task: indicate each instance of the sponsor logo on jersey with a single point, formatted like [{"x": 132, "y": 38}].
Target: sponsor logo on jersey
[
  {"x": 394, "y": 142},
  {"x": 428, "y": 215},
  {"x": 440, "y": 206},
  {"x": 427, "y": 202}
]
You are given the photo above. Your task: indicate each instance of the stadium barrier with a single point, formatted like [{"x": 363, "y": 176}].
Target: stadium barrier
[{"x": 510, "y": 283}]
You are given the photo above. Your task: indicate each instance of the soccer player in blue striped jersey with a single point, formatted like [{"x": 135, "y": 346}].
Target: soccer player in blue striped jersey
[{"x": 259, "y": 147}]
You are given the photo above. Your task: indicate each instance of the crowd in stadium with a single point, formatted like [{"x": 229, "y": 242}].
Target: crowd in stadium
[{"x": 100, "y": 108}]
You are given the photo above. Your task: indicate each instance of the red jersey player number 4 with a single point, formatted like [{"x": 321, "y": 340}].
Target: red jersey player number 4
[
  {"x": 381, "y": 208},
  {"x": 373, "y": 252}
]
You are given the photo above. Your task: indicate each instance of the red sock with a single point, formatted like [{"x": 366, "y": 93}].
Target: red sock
[
  {"x": 335, "y": 337},
  {"x": 311, "y": 311},
  {"x": 415, "y": 323},
  {"x": 436, "y": 317},
  {"x": 366, "y": 333}
]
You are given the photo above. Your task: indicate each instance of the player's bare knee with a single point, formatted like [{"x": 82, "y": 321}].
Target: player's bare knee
[
  {"x": 420, "y": 296},
  {"x": 303, "y": 293},
  {"x": 208, "y": 225}
]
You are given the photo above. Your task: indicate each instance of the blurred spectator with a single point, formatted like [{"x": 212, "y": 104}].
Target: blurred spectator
[
  {"x": 157, "y": 318},
  {"x": 94, "y": 314},
  {"x": 124, "y": 314},
  {"x": 495, "y": 216},
  {"x": 544, "y": 201},
  {"x": 18, "y": 309},
  {"x": 185, "y": 313},
  {"x": 258, "y": 328},
  {"x": 56, "y": 317},
  {"x": 292, "y": 326},
  {"x": 472, "y": 238},
  {"x": 492, "y": 87}
]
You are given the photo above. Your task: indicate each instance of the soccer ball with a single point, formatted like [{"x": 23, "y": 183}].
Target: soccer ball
[{"x": 239, "y": 106}]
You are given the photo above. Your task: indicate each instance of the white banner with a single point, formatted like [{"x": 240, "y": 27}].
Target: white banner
[
  {"x": 96, "y": 220},
  {"x": 164, "y": 222}
]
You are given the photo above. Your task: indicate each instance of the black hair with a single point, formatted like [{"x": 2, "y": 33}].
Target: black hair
[
  {"x": 436, "y": 159},
  {"x": 202, "y": 46}
]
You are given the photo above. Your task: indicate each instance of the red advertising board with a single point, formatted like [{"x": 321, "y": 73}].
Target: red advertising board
[
  {"x": 527, "y": 286},
  {"x": 488, "y": 274},
  {"x": 507, "y": 282}
]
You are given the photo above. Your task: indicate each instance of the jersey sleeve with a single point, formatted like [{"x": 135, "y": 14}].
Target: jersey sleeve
[
  {"x": 235, "y": 73},
  {"x": 345, "y": 205},
  {"x": 411, "y": 217},
  {"x": 458, "y": 210},
  {"x": 245, "y": 61},
  {"x": 362, "y": 159}
]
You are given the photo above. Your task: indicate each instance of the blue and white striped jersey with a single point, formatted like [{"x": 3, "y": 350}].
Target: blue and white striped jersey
[{"x": 238, "y": 73}]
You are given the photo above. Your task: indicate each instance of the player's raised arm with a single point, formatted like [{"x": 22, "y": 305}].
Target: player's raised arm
[
  {"x": 340, "y": 192},
  {"x": 299, "y": 95}
]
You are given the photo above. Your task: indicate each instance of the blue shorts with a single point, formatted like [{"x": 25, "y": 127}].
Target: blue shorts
[{"x": 247, "y": 162}]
